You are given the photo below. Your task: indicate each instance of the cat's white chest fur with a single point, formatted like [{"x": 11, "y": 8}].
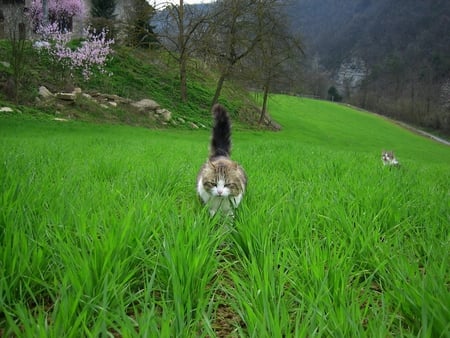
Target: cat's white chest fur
[{"x": 218, "y": 198}]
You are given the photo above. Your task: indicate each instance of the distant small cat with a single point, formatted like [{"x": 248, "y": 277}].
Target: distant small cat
[
  {"x": 388, "y": 158},
  {"x": 221, "y": 182}
]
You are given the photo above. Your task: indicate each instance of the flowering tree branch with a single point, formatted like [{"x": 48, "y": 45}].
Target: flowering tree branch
[{"x": 91, "y": 54}]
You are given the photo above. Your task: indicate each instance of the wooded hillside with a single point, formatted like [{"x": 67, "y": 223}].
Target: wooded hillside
[{"x": 401, "y": 47}]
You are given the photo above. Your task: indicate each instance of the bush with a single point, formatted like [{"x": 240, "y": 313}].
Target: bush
[{"x": 333, "y": 94}]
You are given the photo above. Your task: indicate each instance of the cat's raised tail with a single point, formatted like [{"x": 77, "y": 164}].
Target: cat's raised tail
[{"x": 221, "y": 133}]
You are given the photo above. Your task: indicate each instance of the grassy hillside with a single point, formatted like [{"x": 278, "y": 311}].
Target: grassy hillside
[
  {"x": 132, "y": 74},
  {"x": 345, "y": 129},
  {"x": 101, "y": 231}
]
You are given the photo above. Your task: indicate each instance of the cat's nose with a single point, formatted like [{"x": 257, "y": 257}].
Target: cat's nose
[{"x": 219, "y": 192}]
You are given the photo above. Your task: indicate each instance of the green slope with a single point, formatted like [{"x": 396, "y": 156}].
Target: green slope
[{"x": 339, "y": 127}]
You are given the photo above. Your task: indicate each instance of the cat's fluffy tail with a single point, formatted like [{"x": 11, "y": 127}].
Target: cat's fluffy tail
[{"x": 221, "y": 133}]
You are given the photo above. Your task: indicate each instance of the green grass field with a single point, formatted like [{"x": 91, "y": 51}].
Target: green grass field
[{"x": 102, "y": 234}]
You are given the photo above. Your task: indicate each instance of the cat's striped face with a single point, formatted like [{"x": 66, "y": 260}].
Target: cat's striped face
[
  {"x": 223, "y": 178},
  {"x": 218, "y": 187}
]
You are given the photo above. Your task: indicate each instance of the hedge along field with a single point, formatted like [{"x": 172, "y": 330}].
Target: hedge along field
[{"x": 102, "y": 233}]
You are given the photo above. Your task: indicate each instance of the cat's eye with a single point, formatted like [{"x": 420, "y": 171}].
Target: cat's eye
[{"x": 210, "y": 184}]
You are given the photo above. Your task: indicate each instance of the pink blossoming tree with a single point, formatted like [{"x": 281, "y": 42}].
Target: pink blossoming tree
[{"x": 91, "y": 55}]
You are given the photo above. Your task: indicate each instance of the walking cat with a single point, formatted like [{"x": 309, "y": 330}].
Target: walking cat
[
  {"x": 221, "y": 182},
  {"x": 388, "y": 158}
]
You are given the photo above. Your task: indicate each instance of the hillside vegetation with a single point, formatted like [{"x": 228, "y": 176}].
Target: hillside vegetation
[
  {"x": 102, "y": 233},
  {"x": 375, "y": 30},
  {"x": 132, "y": 74}
]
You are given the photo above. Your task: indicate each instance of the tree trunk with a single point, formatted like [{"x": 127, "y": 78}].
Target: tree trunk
[
  {"x": 264, "y": 105},
  {"x": 183, "y": 78},
  {"x": 183, "y": 56},
  {"x": 44, "y": 13},
  {"x": 218, "y": 89},
  {"x": 413, "y": 103}
]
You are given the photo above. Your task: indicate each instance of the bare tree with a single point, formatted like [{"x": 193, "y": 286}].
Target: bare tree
[
  {"x": 181, "y": 29},
  {"x": 278, "y": 54},
  {"x": 232, "y": 36}
]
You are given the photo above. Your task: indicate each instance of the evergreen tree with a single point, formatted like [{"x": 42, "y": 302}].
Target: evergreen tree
[
  {"x": 103, "y": 9},
  {"x": 333, "y": 94},
  {"x": 103, "y": 16},
  {"x": 138, "y": 29}
]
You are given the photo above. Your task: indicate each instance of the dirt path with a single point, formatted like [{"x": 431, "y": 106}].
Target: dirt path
[
  {"x": 405, "y": 125},
  {"x": 424, "y": 133}
]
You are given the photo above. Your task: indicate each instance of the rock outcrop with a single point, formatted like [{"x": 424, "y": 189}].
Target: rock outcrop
[{"x": 148, "y": 107}]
